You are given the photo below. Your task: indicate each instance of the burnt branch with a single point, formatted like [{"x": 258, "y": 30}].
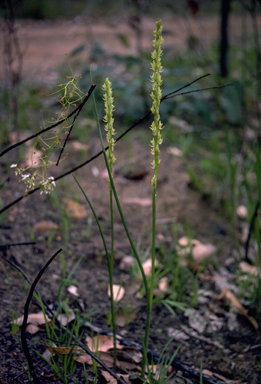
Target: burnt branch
[
  {"x": 26, "y": 310},
  {"x": 144, "y": 117},
  {"x": 74, "y": 120},
  {"x": 52, "y": 316}
]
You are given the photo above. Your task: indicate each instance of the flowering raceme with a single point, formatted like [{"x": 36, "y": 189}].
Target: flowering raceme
[{"x": 156, "y": 96}]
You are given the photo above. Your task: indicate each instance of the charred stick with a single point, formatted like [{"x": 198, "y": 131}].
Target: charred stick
[
  {"x": 57, "y": 322},
  {"x": 26, "y": 310},
  {"x": 75, "y": 117}
]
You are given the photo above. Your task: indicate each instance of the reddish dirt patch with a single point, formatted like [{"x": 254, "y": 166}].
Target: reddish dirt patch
[{"x": 46, "y": 43}]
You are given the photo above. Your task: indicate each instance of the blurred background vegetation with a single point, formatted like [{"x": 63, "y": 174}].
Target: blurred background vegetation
[
  {"x": 215, "y": 129},
  {"x": 52, "y": 9}
]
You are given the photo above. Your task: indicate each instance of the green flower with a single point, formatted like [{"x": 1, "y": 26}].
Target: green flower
[
  {"x": 108, "y": 119},
  {"x": 156, "y": 96}
]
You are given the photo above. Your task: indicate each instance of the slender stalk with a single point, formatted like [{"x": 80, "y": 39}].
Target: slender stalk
[
  {"x": 156, "y": 127},
  {"x": 109, "y": 120},
  {"x": 124, "y": 222},
  {"x": 113, "y": 320}
]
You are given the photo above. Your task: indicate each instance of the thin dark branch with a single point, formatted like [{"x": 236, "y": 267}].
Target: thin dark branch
[
  {"x": 15, "y": 244},
  {"x": 184, "y": 86},
  {"x": 51, "y": 126},
  {"x": 57, "y": 322},
  {"x": 75, "y": 117},
  {"x": 78, "y": 167},
  {"x": 26, "y": 310},
  {"x": 19, "y": 199},
  {"x": 145, "y": 116},
  {"x": 49, "y": 310},
  {"x": 251, "y": 227},
  {"x": 197, "y": 90}
]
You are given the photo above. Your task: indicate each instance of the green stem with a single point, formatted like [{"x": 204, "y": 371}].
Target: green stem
[
  {"x": 111, "y": 282},
  {"x": 129, "y": 238},
  {"x": 109, "y": 262}
]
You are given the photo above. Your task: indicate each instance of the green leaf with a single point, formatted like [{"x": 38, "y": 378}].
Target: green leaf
[
  {"x": 77, "y": 50},
  {"x": 123, "y": 39}
]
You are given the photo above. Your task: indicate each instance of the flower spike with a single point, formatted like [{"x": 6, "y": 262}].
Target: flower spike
[
  {"x": 156, "y": 96},
  {"x": 108, "y": 119}
]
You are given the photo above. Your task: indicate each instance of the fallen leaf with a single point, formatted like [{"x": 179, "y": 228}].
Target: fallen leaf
[
  {"x": 184, "y": 241},
  {"x": 95, "y": 171},
  {"x": 33, "y": 318},
  {"x": 199, "y": 251},
  {"x": 101, "y": 343},
  {"x": 163, "y": 284},
  {"x": 78, "y": 146},
  {"x": 48, "y": 376},
  {"x": 47, "y": 355},
  {"x": 225, "y": 379},
  {"x": 175, "y": 151},
  {"x": 237, "y": 306},
  {"x": 62, "y": 350},
  {"x": 177, "y": 334},
  {"x": 107, "y": 358},
  {"x": 66, "y": 318},
  {"x": 133, "y": 286},
  {"x": 45, "y": 226},
  {"x": 104, "y": 174},
  {"x": 245, "y": 267},
  {"x": 134, "y": 353},
  {"x": 75, "y": 209},
  {"x": 108, "y": 377},
  {"x": 122, "y": 319},
  {"x": 111, "y": 380},
  {"x": 196, "y": 320},
  {"x": 118, "y": 292},
  {"x": 84, "y": 358},
  {"x": 125, "y": 365},
  {"x": 147, "y": 266},
  {"x": 144, "y": 202},
  {"x": 126, "y": 263},
  {"x": 73, "y": 290},
  {"x": 242, "y": 212},
  {"x": 32, "y": 329},
  {"x": 34, "y": 322}
]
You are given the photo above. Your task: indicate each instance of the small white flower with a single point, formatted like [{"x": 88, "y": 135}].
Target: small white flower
[
  {"x": 13, "y": 166},
  {"x": 25, "y": 176}
]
